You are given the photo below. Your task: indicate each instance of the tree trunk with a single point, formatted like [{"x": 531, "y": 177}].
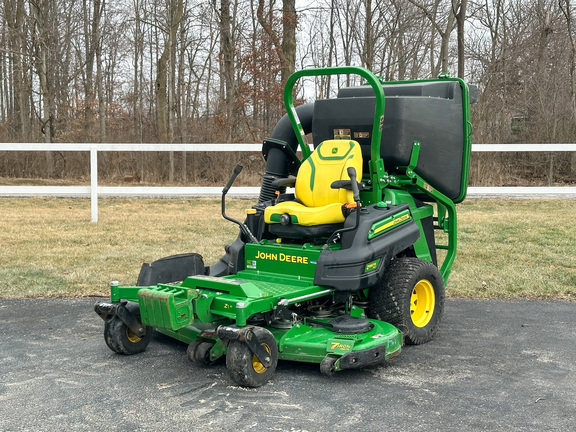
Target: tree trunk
[
  {"x": 285, "y": 49},
  {"x": 227, "y": 59},
  {"x": 14, "y": 17},
  {"x": 368, "y": 51},
  {"x": 137, "y": 102},
  {"x": 460, "y": 21},
  {"x": 289, "y": 21},
  {"x": 445, "y": 37},
  {"x": 39, "y": 40},
  {"x": 101, "y": 97},
  {"x": 566, "y": 9},
  {"x": 162, "y": 114}
]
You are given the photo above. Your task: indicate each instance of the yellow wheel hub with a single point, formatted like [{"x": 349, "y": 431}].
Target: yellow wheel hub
[
  {"x": 422, "y": 303},
  {"x": 133, "y": 337},
  {"x": 257, "y": 364}
]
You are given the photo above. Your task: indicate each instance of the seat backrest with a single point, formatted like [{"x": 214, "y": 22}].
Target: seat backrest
[{"x": 328, "y": 163}]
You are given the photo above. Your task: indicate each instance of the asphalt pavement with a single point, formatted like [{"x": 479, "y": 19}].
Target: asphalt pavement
[{"x": 494, "y": 366}]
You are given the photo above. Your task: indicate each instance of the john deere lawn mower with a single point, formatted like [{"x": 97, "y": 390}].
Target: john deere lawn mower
[{"x": 337, "y": 262}]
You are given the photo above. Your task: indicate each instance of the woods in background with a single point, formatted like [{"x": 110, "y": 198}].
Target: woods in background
[{"x": 213, "y": 71}]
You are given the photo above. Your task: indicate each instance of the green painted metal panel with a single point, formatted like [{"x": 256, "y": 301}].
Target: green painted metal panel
[
  {"x": 166, "y": 306},
  {"x": 282, "y": 259},
  {"x": 391, "y": 222},
  {"x": 308, "y": 343}
]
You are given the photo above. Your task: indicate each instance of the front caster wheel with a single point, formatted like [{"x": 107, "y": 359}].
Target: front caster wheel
[
  {"x": 328, "y": 365},
  {"x": 244, "y": 366},
  {"x": 199, "y": 353},
  {"x": 121, "y": 339}
]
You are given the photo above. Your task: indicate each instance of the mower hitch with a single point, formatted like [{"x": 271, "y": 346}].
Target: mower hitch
[
  {"x": 106, "y": 310},
  {"x": 247, "y": 336}
]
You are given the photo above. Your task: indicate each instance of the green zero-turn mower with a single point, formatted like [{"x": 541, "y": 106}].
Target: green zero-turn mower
[{"x": 341, "y": 272}]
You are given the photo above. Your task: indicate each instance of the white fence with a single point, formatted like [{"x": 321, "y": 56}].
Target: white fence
[{"x": 94, "y": 191}]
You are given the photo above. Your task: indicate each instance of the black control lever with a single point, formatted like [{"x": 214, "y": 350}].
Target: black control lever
[
  {"x": 243, "y": 227},
  {"x": 355, "y": 190},
  {"x": 237, "y": 170},
  {"x": 356, "y": 195}
]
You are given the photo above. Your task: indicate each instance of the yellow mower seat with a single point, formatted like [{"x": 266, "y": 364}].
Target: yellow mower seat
[{"x": 318, "y": 203}]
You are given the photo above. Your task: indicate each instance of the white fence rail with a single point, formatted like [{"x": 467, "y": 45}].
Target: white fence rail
[{"x": 94, "y": 191}]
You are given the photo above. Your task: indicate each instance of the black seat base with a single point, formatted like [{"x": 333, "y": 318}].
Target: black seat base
[{"x": 301, "y": 231}]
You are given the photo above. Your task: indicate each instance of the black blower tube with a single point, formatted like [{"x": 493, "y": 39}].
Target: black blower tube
[{"x": 276, "y": 163}]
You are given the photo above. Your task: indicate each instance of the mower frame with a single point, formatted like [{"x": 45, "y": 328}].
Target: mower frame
[{"x": 305, "y": 300}]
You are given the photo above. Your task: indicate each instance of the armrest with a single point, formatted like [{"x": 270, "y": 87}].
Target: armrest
[
  {"x": 284, "y": 182},
  {"x": 345, "y": 184}
]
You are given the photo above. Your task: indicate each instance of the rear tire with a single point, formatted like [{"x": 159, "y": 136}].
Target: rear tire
[
  {"x": 410, "y": 296},
  {"x": 243, "y": 365}
]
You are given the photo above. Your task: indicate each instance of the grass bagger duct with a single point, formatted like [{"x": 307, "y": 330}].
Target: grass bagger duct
[{"x": 337, "y": 263}]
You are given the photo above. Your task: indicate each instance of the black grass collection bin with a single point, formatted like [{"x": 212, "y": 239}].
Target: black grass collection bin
[{"x": 435, "y": 113}]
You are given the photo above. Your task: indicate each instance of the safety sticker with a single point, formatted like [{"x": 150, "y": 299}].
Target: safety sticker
[{"x": 342, "y": 134}]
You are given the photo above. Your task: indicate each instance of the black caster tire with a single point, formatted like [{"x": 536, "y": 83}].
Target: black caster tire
[
  {"x": 410, "y": 296},
  {"x": 199, "y": 353},
  {"x": 191, "y": 350},
  {"x": 121, "y": 339},
  {"x": 328, "y": 365},
  {"x": 244, "y": 366}
]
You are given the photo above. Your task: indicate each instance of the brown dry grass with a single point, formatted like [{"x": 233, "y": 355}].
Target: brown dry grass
[
  {"x": 49, "y": 247},
  {"x": 516, "y": 249}
]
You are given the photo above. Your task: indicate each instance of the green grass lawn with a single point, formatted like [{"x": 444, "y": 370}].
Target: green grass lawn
[
  {"x": 49, "y": 247},
  {"x": 516, "y": 249}
]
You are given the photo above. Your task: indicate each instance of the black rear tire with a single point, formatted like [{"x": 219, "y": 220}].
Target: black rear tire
[
  {"x": 243, "y": 365},
  {"x": 121, "y": 339},
  {"x": 410, "y": 296}
]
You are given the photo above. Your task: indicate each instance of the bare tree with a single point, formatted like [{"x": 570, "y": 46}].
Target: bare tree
[
  {"x": 460, "y": 14},
  {"x": 227, "y": 62},
  {"x": 443, "y": 23},
  {"x": 285, "y": 48},
  {"x": 14, "y": 17},
  {"x": 91, "y": 21},
  {"x": 566, "y": 8},
  {"x": 40, "y": 41}
]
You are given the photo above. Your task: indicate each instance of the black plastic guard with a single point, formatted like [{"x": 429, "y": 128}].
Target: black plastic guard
[
  {"x": 359, "y": 359},
  {"x": 173, "y": 268},
  {"x": 345, "y": 270}
]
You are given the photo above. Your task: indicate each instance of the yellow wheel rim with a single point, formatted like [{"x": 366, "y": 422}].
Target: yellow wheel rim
[
  {"x": 132, "y": 337},
  {"x": 422, "y": 303},
  {"x": 257, "y": 364}
]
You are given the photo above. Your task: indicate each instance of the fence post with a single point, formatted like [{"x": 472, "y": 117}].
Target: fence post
[{"x": 94, "y": 183}]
